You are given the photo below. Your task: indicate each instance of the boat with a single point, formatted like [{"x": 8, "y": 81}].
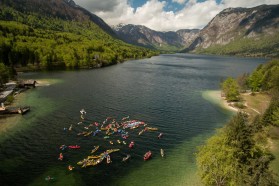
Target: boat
[
  {"x": 118, "y": 141},
  {"x": 93, "y": 157},
  {"x": 48, "y": 178},
  {"x": 126, "y": 158},
  {"x": 124, "y": 142},
  {"x": 162, "y": 153},
  {"x": 141, "y": 132},
  {"x": 82, "y": 162},
  {"x": 131, "y": 145},
  {"x": 112, "y": 150},
  {"x": 82, "y": 117},
  {"x": 61, "y": 157},
  {"x": 88, "y": 133},
  {"x": 95, "y": 149},
  {"x": 82, "y": 111},
  {"x": 160, "y": 135},
  {"x": 151, "y": 128},
  {"x": 70, "y": 168},
  {"x": 23, "y": 110},
  {"x": 108, "y": 159},
  {"x": 111, "y": 142},
  {"x": 63, "y": 147},
  {"x": 74, "y": 147},
  {"x": 147, "y": 155},
  {"x": 81, "y": 133}
]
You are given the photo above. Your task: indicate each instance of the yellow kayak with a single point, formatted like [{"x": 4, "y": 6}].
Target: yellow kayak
[{"x": 94, "y": 150}]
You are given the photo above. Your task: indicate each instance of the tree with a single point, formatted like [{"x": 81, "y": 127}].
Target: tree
[
  {"x": 216, "y": 164},
  {"x": 4, "y": 74},
  {"x": 242, "y": 82},
  {"x": 255, "y": 81},
  {"x": 232, "y": 156},
  {"x": 231, "y": 89}
]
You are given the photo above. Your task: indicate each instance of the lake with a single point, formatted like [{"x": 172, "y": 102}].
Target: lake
[{"x": 164, "y": 91}]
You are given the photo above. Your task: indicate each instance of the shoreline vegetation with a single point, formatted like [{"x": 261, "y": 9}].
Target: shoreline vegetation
[{"x": 245, "y": 150}]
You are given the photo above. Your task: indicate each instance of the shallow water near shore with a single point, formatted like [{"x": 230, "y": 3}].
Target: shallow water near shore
[{"x": 164, "y": 91}]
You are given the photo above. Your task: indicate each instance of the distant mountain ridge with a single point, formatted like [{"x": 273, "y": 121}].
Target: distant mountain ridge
[
  {"x": 241, "y": 31},
  {"x": 143, "y": 36},
  {"x": 234, "y": 31}
]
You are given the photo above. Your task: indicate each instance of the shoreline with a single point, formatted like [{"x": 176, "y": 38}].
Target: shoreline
[{"x": 214, "y": 96}]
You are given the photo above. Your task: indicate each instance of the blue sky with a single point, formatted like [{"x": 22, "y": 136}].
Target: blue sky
[
  {"x": 164, "y": 15},
  {"x": 171, "y": 6}
]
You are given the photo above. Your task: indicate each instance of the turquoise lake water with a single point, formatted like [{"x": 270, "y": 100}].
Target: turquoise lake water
[{"x": 165, "y": 92}]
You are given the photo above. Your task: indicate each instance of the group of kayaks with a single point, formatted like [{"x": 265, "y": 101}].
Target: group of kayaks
[{"x": 112, "y": 128}]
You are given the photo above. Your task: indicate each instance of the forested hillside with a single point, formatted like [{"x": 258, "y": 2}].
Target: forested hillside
[{"x": 39, "y": 41}]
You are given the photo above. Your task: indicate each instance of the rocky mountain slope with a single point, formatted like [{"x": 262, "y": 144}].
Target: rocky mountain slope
[
  {"x": 61, "y": 9},
  {"x": 143, "y": 36},
  {"x": 241, "y": 31}
]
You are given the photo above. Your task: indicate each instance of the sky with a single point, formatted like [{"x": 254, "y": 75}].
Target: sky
[{"x": 164, "y": 15}]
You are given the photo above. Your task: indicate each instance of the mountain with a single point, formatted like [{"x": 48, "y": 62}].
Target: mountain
[
  {"x": 39, "y": 34},
  {"x": 241, "y": 31},
  {"x": 143, "y": 36},
  {"x": 62, "y": 9}
]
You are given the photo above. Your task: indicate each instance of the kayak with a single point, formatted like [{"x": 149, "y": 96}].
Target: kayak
[
  {"x": 151, "y": 129},
  {"x": 108, "y": 159},
  {"x": 162, "y": 153},
  {"x": 63, "y": 147},
  {"x": 131, "y": 145},
  {"x": 70, "y": 168},
  {"x": 147, "y": 155},
  {"x": 160, "y": 135},
  {"x": 48, "y": 178},
  {"x": 74, "y": 147},
  {"x": 126, "y": 158},
  {"x": 61, "y": 157},
  {"x": 94, "y": 150},
  {"x": 88, "y": 133},
  {"x": 141, "y": 132}
]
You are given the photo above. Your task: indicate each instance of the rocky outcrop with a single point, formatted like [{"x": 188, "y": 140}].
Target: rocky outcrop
[{"x": 238, "y": 23}]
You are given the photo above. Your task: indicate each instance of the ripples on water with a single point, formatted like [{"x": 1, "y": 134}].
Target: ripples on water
[{"x": 164, "y": 91}]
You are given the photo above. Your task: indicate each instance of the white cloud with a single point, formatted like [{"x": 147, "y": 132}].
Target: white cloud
[{"x": 152, "y": 14}]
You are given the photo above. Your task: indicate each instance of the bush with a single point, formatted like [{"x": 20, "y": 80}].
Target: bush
[{"x": 239, "y": 105}]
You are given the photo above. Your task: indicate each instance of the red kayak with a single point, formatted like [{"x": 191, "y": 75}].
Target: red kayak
[
  {"x": 131, "y": 145},
  {"x": 147, "y": 155},
  {"x": 74, "y": 147}
]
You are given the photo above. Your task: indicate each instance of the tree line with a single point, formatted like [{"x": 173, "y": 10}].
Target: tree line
[{"x": 237, "y": 154}]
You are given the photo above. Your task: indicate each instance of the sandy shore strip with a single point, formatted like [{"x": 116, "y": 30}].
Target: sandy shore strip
[{"x": 214, "y": 96}]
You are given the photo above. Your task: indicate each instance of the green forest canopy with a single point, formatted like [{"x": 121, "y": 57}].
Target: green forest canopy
[{"x": 38, "y": 41}]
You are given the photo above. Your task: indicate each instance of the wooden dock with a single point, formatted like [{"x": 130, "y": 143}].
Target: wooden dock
[{"x": 14, "y": 110}]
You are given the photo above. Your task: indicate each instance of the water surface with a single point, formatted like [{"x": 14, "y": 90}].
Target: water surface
[{"x": 164, "y": 91}]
